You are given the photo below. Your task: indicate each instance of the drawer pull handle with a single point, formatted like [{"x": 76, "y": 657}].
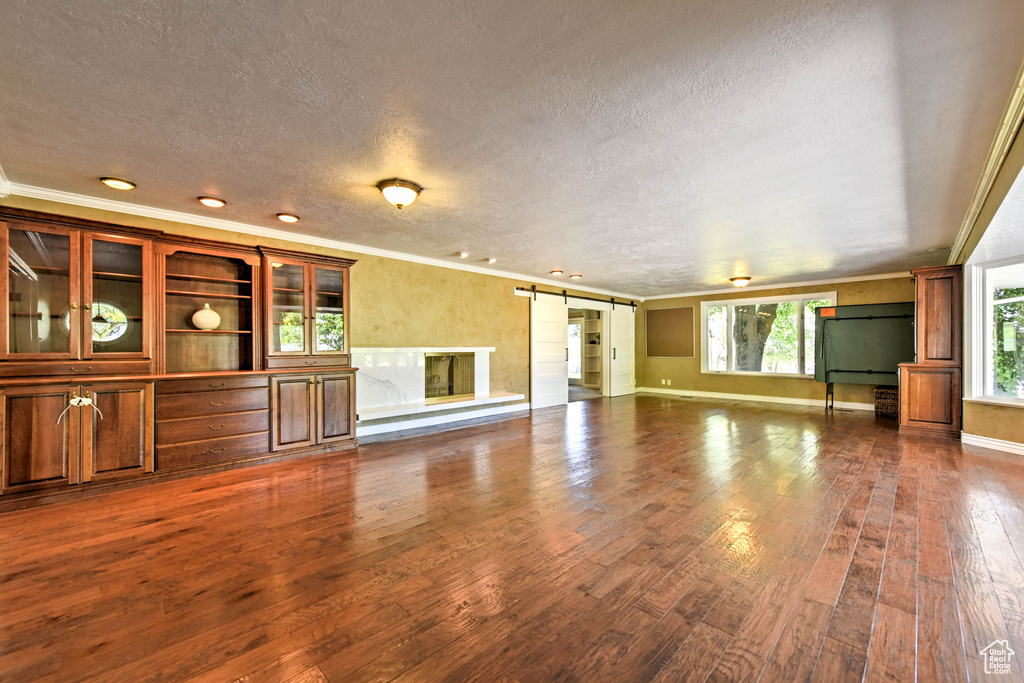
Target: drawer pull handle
[
  {"x": 216, "y": 386},
  {"x": 216, "y": 450},
  {"x": 310, "y": 362},
  {"x": 74, "y": 369},
  {"x": 217, "y": 404},
  {"x": 216, "y": 428}
]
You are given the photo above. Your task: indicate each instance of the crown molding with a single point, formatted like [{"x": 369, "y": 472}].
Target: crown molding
[
  {"x": 1009, "y": 125},
  {"x": 782, "y": 285},
  {"x": 5, "y": 185},
  {"x": 115, "y": 206}
]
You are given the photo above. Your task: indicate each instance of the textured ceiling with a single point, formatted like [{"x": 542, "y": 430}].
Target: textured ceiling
[{"x": 656, "y": 147}]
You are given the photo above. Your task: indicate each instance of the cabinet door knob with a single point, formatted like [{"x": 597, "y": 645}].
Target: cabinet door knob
[
  {"x": 217, "y": 404},
  {"x": 88, "y": 307},
  {"x": 74, "y": 307}
]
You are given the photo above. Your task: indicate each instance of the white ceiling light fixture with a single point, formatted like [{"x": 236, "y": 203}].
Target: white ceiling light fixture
[
  {"x": 575, "y": 276},
  {"x": 288, "y": 217},
  {"x": 212, "y": 202},
  {"x": 463, "y": 254},
  {"x": 492, "y": 260},
  {"x": 117, "y": 183},
  {"x": 741, "y": 281},
  {"x": 399, "y": 192},
  {"x": 556, "y": 272}
]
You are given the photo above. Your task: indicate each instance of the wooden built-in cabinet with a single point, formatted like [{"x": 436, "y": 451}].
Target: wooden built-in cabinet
[
  {"x": 930, "y": 387},
  {"x": 305, "y": 304},
  {"x": 48, "y": 441},
  {"x": 103, "y": 313},
  {"x": 312, "y": 409}
]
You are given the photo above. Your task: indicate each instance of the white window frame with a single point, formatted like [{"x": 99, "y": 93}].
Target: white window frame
[
  {"x": 978, "y": 304},
  {"x": 832, "y": 297}
]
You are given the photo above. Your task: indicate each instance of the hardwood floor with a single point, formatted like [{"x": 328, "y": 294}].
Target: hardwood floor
[{"x": 639, "y": 538}]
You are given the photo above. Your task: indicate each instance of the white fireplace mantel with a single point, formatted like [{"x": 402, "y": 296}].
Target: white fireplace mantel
[{"x": 394, "y": 379}]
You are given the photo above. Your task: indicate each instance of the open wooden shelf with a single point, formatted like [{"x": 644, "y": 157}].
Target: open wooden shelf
[
  {"x": 206, "y": 278},
  {"x": 208, "y": 331},
  {"x": 206, "y": 295}
]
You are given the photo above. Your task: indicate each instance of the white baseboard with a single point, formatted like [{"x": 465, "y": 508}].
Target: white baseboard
[
  {"x": 438, "y": 419},
  {"x": 820, "y": 403},
  {"x": 995, "y": 444}
]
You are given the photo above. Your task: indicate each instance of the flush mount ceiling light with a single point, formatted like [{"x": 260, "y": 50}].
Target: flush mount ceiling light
[
  {"x": 741, "y": 281},
  {"x": 212, "y": 202},
  {"x": 575, "y": 276},
  {"x": 399, "y": 192},
  {"x": 288, "y": 217},
  {"x": 492, "y": 260},
  {"x": 556, "y": 272},
  {"x": 462, "y": 254},
  {"x": 117, "y": 183}
]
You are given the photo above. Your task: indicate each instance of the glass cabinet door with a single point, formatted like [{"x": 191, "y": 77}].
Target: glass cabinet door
[
  {"x": 42, "y": 292},
  {"x": 113, "y": 318},
  {"x": 288, "y": 308},
  {"x": 329, "y": 310}
]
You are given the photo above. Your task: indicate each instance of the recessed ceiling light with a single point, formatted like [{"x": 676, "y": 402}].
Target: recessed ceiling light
[
  {"x": 463, "y": 254},
  {"x": 741, "y": 281},
  {"x": 556, "y": 272},
  {"x": 288, "y": 217},
  {"x": 399, "y": 192},
  {"x": 212, "y": 202},
  {"x": 117, "y": 183},
  {"x": 575, "y": 276},
  {"x": 492, "y": 260}
]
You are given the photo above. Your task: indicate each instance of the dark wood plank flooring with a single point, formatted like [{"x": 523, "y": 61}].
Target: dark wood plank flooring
[{"x": 639, "y": 538}]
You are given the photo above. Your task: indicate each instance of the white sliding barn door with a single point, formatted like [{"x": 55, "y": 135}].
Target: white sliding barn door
[
  {"x": 623, "y": 365},
  {"x": 549, "y": 361}
]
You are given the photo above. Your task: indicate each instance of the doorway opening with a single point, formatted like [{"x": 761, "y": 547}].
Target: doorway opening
[{"x": 583, "y": 341}]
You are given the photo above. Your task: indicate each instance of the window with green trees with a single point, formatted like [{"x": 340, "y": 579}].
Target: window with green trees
[
  {"x": 769, "y": 335},
  {"x": 1005, "y": 332}
]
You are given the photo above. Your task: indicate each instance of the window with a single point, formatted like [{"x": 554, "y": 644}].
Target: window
[
  {"x": 773, "y": 335},
  {"x": 1004, "y": 331},
  {"x": 575, "y": 346},
  {"x": 109, "y": 322}
]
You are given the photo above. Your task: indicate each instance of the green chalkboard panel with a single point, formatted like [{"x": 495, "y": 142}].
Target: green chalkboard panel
[{"x": 876, "y": 337}]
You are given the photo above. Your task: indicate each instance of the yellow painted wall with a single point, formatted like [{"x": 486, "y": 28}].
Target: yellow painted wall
[
  {"x": 685, "y": 372},
  {"x": 994, "y": 421},
  {"x": 394, "y": 302}
]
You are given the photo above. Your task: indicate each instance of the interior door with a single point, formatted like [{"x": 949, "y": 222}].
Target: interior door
[
  {"x": 622, "y": 378},
  {"x": 549, "y": 359}
]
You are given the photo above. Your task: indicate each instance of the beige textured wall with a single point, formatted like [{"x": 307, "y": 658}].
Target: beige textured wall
[
  {"x": 685, "y": 372},
  {"x": 394, "y": 303},
  {"x": 994, "y": 421}
]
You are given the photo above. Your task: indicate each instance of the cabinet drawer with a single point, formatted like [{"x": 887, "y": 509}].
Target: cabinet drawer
[
  {"x": 211, "y": 450},
  {"x": 278, "y": 362},
  {"x": 211, "y": 403},
  {"x": 211, "y": 427},
  {"x": 188, "y": 386},
  {"x": 84, "y": 368}
]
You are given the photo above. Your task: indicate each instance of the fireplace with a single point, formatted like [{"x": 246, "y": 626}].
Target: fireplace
[{"x": 449, "y": 374}]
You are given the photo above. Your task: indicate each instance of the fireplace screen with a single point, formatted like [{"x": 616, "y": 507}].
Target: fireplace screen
[{"x": 450, "y": 374}]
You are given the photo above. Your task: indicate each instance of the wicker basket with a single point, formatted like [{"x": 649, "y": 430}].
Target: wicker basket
[{"x": 887, "y": 402}]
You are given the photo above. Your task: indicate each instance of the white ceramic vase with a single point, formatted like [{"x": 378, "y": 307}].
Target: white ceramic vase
[{"x": 206, "y": 318}]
